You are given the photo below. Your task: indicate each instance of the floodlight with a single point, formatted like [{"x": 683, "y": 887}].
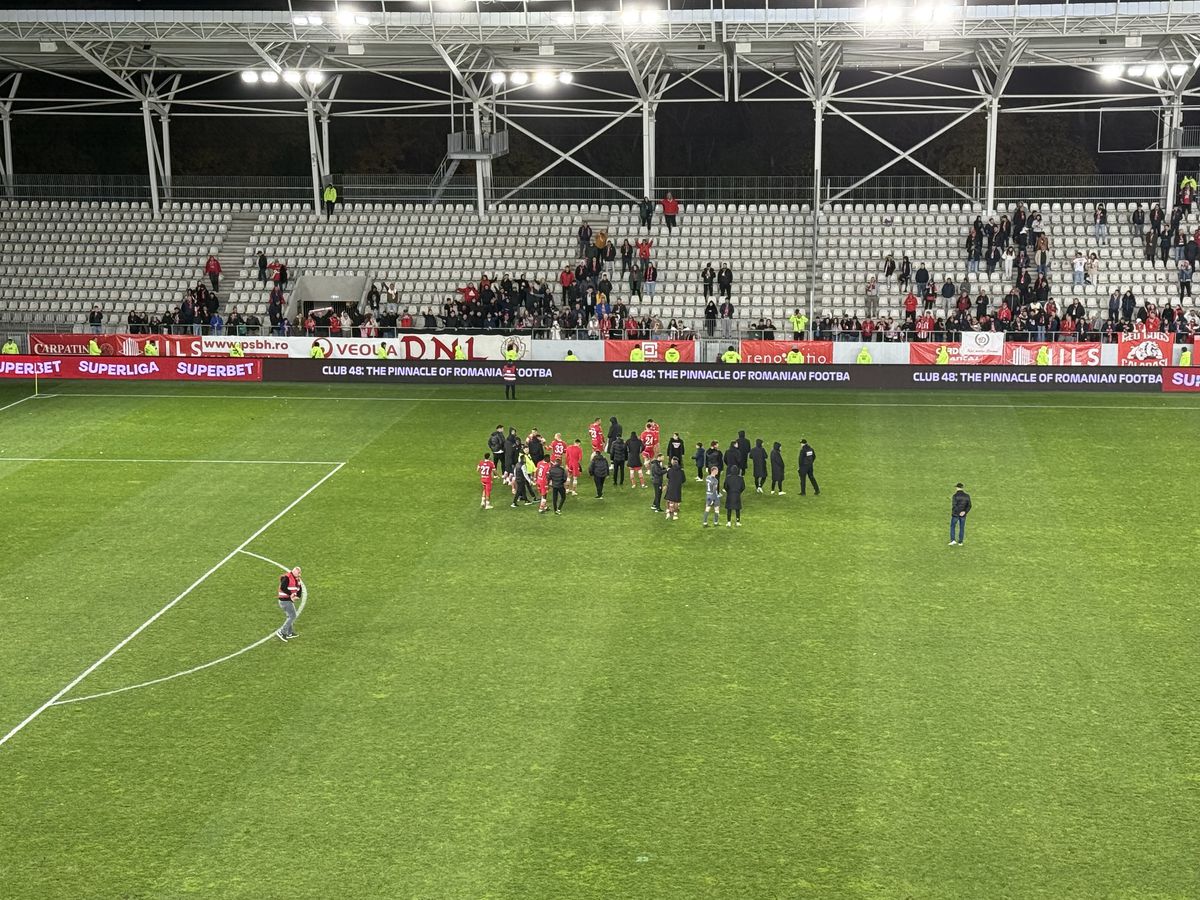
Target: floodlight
[
  {"x": 300, "y": 20},
  {"x": 520, "y": 77},
  {"x": 270, "y": 77},
  {"x": 595, "y": 18},
  {"x": 315, "y": 20},
  {"x": 651, "y": 16},
  {"x": 544, "y": 78},
  {"x": 1179, "y": 69},
  {"x": 346, "y": 18},
  {"x": 498, "y": 78},
  {"x": 250, "y": 76},
  {"x": 631, "y": 15},
  {"x": 1136, "y": 71},
  {"x": 1112, "y": 71},
  {"x": 565, "y": 77},
  {"x": 291, "y": 76},
  {"x": 314, "y": 76},
  {"x": 1156, "y": 70}
]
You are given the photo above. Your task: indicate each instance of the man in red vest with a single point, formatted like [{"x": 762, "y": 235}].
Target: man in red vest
[{"x": 290, "y": 587}]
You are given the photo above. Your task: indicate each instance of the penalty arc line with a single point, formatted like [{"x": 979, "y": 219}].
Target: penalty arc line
[
  {"x": 154, "y": 618},
  {"x": 200, "y": 668}
]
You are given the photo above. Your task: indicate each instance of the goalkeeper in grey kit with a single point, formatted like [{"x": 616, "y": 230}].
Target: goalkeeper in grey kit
[{"x": 291, "y": 589}]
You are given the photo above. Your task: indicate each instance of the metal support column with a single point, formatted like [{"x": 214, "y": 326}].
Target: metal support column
[
  {"x": 325, "y": 167},
  {"x": 151, "y": 156},
  {"x": 818, "y": 142},
  {"x": 480, "y": 186},
  {"x": 6, "y": 151},
  {"x": 314, "y": 153},
  {"x": 1172, "y": 121},
  {"x": 993, "y": 116},
  {"x": 165, "y": 126},
  {"x": 648, "y": 148}
]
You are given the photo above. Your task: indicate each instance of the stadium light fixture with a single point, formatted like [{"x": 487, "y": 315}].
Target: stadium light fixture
[
  {"x": 1136, "y": 71},
  {"x": 1155, "y": 70},
  {"x": 884, "y": 14},
  {"x": 250, "y": 76},
  {"x": 543, "y": 78},
  {"x": 291, "y": 76},
  {"x": 314, "y": 76},
  {"x": 595, "y": 18},
  {"x": 651, "y": 16},
  {"x": 565, "y": 77},
  {"x": 498, "y": 78},
  {"x": 631, "y": 15},
  {"x": 1179, "y": 69},
  {"x": 519, "y": 77},
  {"x": 270, "y": 77},
  {"x": 1112, "y": 71}
]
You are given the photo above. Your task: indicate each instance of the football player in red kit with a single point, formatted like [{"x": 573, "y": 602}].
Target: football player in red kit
[
  {"x": 650, "y": 439},
  {"x": 487, "y": 469},
  {"x": 557, "y": 448},
  {"x": 541, "y": 479},
  {"x": 596, "y": 433},
  {"x": 574, "y": 466}
]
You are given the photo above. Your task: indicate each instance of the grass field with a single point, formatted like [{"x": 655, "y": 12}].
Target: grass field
[{"x": 827, "y": 702}]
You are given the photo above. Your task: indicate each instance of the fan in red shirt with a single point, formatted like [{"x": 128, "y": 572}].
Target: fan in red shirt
[
  {"x": 910, "y": 307},
  {"x": 670, "y": 208},
  {"x": 541, "y": 478},
  {"x": 574, "y": 466},
  {"x": 557, "y": 448},
  {"x": 487, "y": 468},
  {"x": 596, "y": 433},
  {"x": 643, "y": 248}
]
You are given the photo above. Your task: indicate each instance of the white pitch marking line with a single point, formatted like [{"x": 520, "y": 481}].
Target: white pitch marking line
[
  {"x": 115, "y": 459},
  {"x": 22, "y": 400},
  {"x": 200, "y": 668},
  {"x": 950, "y": 403},
  {"x": 150, "y": 621}
]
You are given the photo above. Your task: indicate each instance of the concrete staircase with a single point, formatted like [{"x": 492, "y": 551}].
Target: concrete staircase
[{"x": 234, "y": 246}]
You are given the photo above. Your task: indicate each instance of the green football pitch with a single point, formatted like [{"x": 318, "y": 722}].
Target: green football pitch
[{"x": 829, "y": 701}]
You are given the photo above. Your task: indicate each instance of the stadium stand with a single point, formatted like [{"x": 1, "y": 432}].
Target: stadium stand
[{"x": 62, "y": 257}]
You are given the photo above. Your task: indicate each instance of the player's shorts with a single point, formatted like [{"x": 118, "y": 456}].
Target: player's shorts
[
  {"x": 712, "y": 499},
  {"x": 543, "y": 489},
  {"x": 574, "y": 471},
  {"x": 487, "y": 486},
  {"x": 635, "y": 468}
]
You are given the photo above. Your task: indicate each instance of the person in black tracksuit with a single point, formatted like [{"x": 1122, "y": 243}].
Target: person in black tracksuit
[
  {"x": 807, "y": 457},
  {"x": 523, "y": 490},
  {"x": 743, "y": 445},
  {"x": 734, "y": 485},
  {"x": 960, "y": 505},
  {"x": 758, "y": 459},
  {"x": 614, "y": 430},
  {"x": 512, "y": 447},
  {"x": 657, "y": 472},
  {"x": 675, "y": 449},
  {"x": 777, "y": 468},
  {"x": 558, "y": 486},
  {"x": 633, "y": 450},
  {"x": 733, "y": 456},
  {"x": 598, "y": 469},
  {"x": 617, "y": 453},
  {"x": 535, "y": 448},
  {"x": 496, "y": 446},
  {"x": 698, "y": 457},
  {"x": 713, "y": 458}
]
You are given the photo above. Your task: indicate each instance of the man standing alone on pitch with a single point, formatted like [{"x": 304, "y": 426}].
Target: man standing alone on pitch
[
  {"x": 777, "y": 468},
  {"x": 960, "y": 505},
  {"x": 558, "y": 485},
  {"x": 290, "y": 586},
  {"x": 808, "y": 456}
]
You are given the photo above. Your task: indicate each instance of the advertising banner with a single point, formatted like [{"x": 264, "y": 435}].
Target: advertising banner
[
  {"x": 113, "y": 344},
  {"x": 1145, "y": 348},
  {"x": 404, "y": 347},
  {"x": 815, "y": 352},
  {"x": 1184, "y": 380},
  {"x": 981, "y": 343},
  {"x": 618, "y": 351},
  {"x": 147, "y": 369},
  {"x": 1012, "y": 354}
]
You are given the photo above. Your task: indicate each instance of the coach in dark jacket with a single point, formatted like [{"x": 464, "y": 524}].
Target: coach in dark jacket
[
  {"x": 733, "y": 456},
  {"x": 743, "y": 445},
  {"x": 496, "y": 446},
  {"x": 536, "y": 449},
  {"x": 960, "y": 505},
  {"x": 758, "y": 457},
  {"x": 734, "y": 485},
  {"x": 614, "y": 430},
  {"x": 777, "y": 468},
  {"x": 675, "y": 479},
  {"x": 617, "y": 452},
  {"x": 657, "y": 472},
  {"x": 712, "y": 458},
  {"x": 598, "y": 469},
  {"x": 633, "y": 450},
  {"x": 808, "y": 456},
  {"x": 512, "y": 445}
]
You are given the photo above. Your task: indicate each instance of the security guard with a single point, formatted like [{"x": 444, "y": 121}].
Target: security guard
[
  {"x": 672, "y": 355},
  {"x": 637, "y": 354},
  {"x": 330, "y": 198},
  {"x": 510, "y": 353},
  {"x": 150, "y": 349},
  {"x": 864, "y": 357},
  {"x": 1185, "y": 357},
  {"x": 10, "y": 347},
  {"x": 316, "y": 352},
  {"x": 381, "y": 351},
  {"x": 571, "y": 357},
  {"x": 799, "y": 324},
  {"x": 1043, "y": 356},
  {"x": 943, "y": 356},
  {"x": 795, "y": 357},
  {"x": 731, "y": 356},
  {"x": 460, "y": 352},
  {"x": 93, "y": 348}
]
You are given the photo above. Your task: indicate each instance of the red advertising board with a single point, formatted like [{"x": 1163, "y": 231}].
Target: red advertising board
[
  {"x": 654, "y": 351},
  {"x": 114, "y": 344},
  {"x": 776, "y": 351},
  {"x": 1176, "y": 379},
  {"x": 1068, "y": 353},
  {"x": 148, "y": 369},
  {"x": 1145, "y": 348}
]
